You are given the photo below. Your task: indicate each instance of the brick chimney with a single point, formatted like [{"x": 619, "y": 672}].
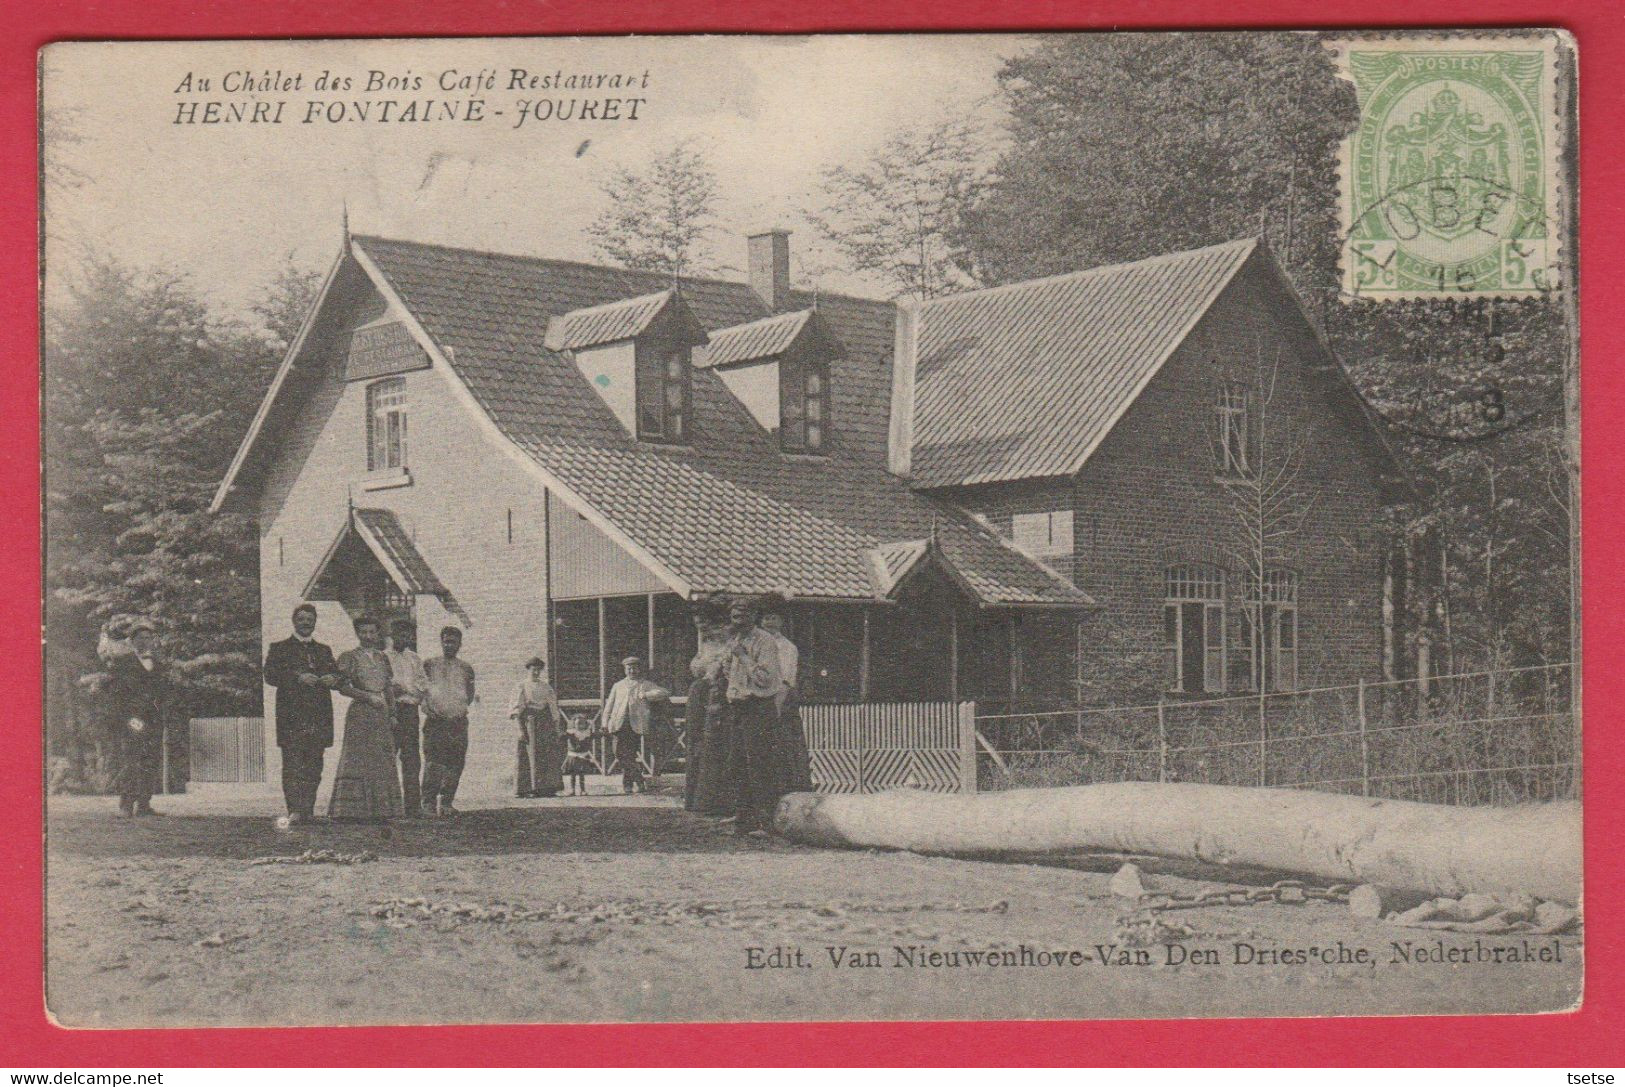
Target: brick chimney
[{"x": 770, "y": 268}]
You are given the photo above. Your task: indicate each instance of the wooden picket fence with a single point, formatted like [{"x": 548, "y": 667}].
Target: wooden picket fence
[
  {"x": 227, "y": 749},
  {"x": 867, "y": 747}
]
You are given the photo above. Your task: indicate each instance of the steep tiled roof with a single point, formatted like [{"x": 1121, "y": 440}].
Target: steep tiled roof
[
  {"x": 1023, "y": 381},
  {"x": 893, "y": 560},
  {"x": 765, "y": 339},
  {"x": 594, "y": 325},
  {"x": 402, "y": 553},
  {"x": 728, "y": 512}
]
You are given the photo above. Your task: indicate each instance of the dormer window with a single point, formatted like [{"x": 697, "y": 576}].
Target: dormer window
[
  {"x": 663, "y": 393},
  {"x": 779, "y": 369},
  {"x": 636, "y": 354},
  {"x": 803, "y": 406}
]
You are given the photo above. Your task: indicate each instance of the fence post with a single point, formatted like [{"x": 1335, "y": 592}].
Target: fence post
[
  {"x": 1162, "y": 745},
  {"x": 1263, "y": 739},
  {"x": 967, "y": 747},
  {"x": 1365, "y": 747}
]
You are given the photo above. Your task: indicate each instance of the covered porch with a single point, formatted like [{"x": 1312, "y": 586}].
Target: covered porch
[{"x": 929, "y": 644}]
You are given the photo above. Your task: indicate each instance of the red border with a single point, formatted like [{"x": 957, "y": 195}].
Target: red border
[{"x": 1582, "y": 1038}]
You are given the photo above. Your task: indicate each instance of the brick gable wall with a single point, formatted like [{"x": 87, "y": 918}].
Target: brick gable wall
[{"x": 1149, "y": 497}]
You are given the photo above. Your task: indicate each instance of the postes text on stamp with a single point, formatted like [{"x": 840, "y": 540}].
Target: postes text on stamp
[{"x": 1450, "y": 180}]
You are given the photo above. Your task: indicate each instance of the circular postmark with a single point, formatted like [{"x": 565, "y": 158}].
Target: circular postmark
[{"x": 1448, "y": 178}]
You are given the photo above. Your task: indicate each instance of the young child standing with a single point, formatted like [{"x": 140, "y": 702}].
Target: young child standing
[
  {"x": 578, "y": 757},
  {"x": 445, "y": 723}
]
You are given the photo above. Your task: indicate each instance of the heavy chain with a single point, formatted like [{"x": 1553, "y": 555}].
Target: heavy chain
[{"x": 1286, "y": 892}]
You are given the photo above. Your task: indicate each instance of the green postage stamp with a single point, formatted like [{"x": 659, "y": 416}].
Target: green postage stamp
[{"x": 1452, "y": 182}]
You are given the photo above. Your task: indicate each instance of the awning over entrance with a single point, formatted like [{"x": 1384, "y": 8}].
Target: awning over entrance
[{"x": 373, "y": 560}]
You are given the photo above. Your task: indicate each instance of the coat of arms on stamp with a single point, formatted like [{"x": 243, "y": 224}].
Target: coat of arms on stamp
[{"x": 1450, "y": 180}]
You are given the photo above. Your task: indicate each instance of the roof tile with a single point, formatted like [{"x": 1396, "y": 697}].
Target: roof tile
[
  {"x": 728, "y": 512},
  {"x": 1024, "y": 381}
]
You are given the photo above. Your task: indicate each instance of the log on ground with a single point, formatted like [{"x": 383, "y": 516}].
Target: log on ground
[{"x": 1431, "y": 848}]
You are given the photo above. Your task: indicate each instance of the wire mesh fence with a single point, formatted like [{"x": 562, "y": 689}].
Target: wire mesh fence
[{"x": 1497, "y": 737}]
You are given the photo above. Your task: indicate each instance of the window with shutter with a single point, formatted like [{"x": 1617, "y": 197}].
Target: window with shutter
[{"x": 1045, "y": 535}]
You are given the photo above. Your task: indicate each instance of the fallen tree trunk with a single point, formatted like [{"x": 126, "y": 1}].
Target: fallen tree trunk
[{"x": 1432, "y": 848}]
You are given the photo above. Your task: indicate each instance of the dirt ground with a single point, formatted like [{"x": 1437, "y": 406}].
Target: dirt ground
[{"x": 615, "y": 908}]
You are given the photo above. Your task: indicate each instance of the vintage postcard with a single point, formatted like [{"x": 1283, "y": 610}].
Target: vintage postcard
[{"x": 999, "y": 527}]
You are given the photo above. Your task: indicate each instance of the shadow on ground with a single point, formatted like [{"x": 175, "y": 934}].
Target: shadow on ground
[{"x": 554, "y": 829}]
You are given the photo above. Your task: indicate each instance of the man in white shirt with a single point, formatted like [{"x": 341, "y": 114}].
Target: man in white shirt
[
  {"x": 628, "y": 712},
  {"x": 755, "y": 683},
  {"x": 795, "y": 768},
  {"x": 411, "y": 684}
]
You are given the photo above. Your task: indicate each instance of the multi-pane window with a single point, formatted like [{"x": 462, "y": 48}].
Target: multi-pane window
[
  {"x": 1233, "y": 448},
  {"x": 1193, "y": 628},
  {"x": 1046, "y": 535},
  {"x": 803, "y": 407},
  {"x": 386, "y": 424},
  {"x": 375, "y": 594},
  {"x": 1267, "y": 656},
  {"x": 663, "y": 393}
]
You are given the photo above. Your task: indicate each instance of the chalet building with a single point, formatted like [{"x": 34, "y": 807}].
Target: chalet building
[{"x": 1000, "y": 496}]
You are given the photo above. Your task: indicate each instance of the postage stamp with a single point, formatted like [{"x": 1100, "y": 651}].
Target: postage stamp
[
  {"x": 1452, "y": 180},
  {"x": 708, "y": 529}
]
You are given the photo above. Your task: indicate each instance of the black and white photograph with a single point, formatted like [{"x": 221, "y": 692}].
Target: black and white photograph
[{"x": 839, "y": 527}]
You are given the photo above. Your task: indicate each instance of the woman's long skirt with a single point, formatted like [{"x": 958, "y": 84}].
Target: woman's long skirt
[
  {"x": 796, "y": 766},
  {"x": 710, "y": 751},
  {"x": 541, "y": 753},
  {"x": 694, "y": 730},
  {"x": 366, "y": 785}
]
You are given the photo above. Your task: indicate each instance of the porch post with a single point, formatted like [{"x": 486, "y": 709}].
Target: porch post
[
  {"x": 953, "y": 654},
  {"x": 603, "y": 650},
  {"x": 863, "y": 658},
  {"x": 1015, "y": 657},
  {"x": 651, "y": 633},
  {"x": 547, "y": 582}
]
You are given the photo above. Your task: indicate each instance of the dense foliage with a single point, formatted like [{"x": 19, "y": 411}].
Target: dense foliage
[
  {"x": 146, "y": 399},
  {"x": 1124, "y": 146}
]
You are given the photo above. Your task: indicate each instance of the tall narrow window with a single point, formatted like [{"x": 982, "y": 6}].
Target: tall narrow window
[
  {"x": 1193, "y": 628},
  {"x": 1234, "y": 431},
  {"x": 1270, "y": 631},
  {"x": 386, "y": 424},
  {"x": 663, "y": 393},
  {"x": 803, "y": 406}
]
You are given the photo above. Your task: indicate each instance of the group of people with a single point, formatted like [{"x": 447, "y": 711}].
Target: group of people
[
  {"x": 405, "y": 733},
  {"x": 406, "y": 729},
  {"x": 746, "y": 748}
]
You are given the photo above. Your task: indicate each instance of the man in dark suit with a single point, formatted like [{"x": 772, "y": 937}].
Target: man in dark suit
[
  {"x": 304, "y": 674},
  {"x": 137, "y": 689}
]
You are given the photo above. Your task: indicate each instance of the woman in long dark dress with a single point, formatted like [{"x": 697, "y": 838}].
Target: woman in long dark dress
[
  {"x": 535, "y": 708},
  {"x": 366, "y": 786},
  {"x": 707, "y": 787}
]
